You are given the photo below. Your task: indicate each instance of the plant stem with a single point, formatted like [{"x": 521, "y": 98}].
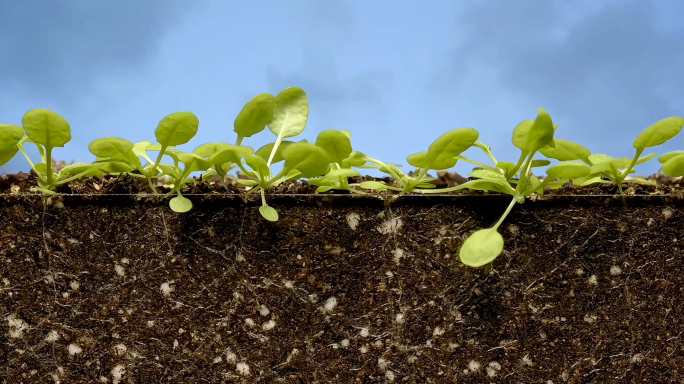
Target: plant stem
[{"x": 508, "y": 210}]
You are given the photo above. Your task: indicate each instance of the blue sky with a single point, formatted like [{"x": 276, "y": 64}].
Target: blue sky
[{"x": 396, "y": 74}]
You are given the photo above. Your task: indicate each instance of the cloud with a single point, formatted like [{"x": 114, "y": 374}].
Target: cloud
[
  {"x": 57, "y": 49},
  {"x": 328, "y": 36},
  {"x": 607, "y": 71}
]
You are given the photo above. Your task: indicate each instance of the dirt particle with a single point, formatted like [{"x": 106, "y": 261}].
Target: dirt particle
[
  {"x": 667, "y": 213},
  {"x": 399, "y": 318},
  {"x": 74, "y": 349},
  {"x": 390, "y": 226},
  {"x": 249, "y": 322},
  {"x": 118, "y": 373},
  {"x": 590, "y": 318},
  {"x": 364, "y": 332},
  {"x": 383, "y": 364},
  {"x": 52, "y": 336},
  {"x": 75, "y": 285},
  {"x": 363, "y": 349},
  {"x": 527, "y": 361},
  {"x": 16, "y": 327},
  {"x": 398, "y": 255},
  {"x": 344, "y": 343},
  {"x": 353, "y": 220},
  {"x": 269, "y": 325},
  {"x": 330, "y": 304},
  {"x": 438, "y": 331},
  {"x": 615, "y": 270},
  {"x": 513, "y": 229},
  {"x": 264, "y": 311},
  {"x": 474, "y": 365},
  {"x": 593, "y": 280},
  {"x": 119, "y": 269},
  {"x": 242, "y": 368},
  {"x": 166, "y": 289},
  {"x": 231, "y": 357},
  {"x": 389, "y": 375},
  {"x": 637, "y": 358},
  {"x": 120, "y": 349}
]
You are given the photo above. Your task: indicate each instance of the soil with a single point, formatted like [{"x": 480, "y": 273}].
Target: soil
[{"x": 109, "y": 285}]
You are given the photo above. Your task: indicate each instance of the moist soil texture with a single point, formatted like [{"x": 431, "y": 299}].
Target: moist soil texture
[{"x": 106, "y": 285}]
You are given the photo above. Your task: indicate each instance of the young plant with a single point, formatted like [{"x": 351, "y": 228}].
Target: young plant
[
  {"x": 442, "y": 154},
  {"x": 48, "y": 130},
  {"x": 286, "y": 116},
  {"x": 485, "y": 245},
  {"x": 607, "y": 170}
]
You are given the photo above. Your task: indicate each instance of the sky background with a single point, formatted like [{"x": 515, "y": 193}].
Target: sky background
[{"x": 396, "y": 74}]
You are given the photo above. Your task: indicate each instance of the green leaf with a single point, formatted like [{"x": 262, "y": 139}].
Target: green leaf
[
  {"x": 336, "y": 144},
  {"x": 233, "y": 154},
  {"x": 255, "y": 115},
  {"x": 668, "y": 156},
  {"x": 10, "y": 135},
  {"x": 486, "y": 174},
  {"x": 259, "y": 165},
  {"x": 505, "y": 166},
  {"x": 324, "y": 188},
  {"x": 539, "y": 163},
  {"x": 419, "y": 160},
  {"x": 596, "y": 158},
  {"x": 110, "y": 146},
  {"x": 46, "y": 128},
  {"x": 115, "y": 167},
  {"x": 565, "y": 151},
  {"x": 266, "y": 150},
  {"x": 268, "y": 213},
  {"x": 639, "y": 180},
  {"x": 644, "y": 159},
  {"x": 177, "y": 129},
  {"x": 193, "y": 162},
  {"x": 355, "y": 159},
  {"x": 607, "y": 166},
  {"x": 309, "y": 159},
  {"x": 376, "y": 185},
  {"x": 568, "y": 170},
  {"x": 481, "y": 248},
  {"x": 74, "y": 169},
  {"x": 291, "y": 113},
  {"x": 180, "y": 204},
  {"x": 342, "y": 173},
  {"x": 249, "y": 183},
  {"x": 8, "y": 154},
  {"x": 169, "y": 170},
  {"x": 210, "y": 149},
  {"x": 530, "y": 136},
  {"x": 489, "y": 185},
  {"x": 674, "y": 167},
  {"x": 347, "y": 133},
  {"x": 140, "y": 148},
  {"x": 449, "y": 145},
  {"x": 659, "y": 133}
]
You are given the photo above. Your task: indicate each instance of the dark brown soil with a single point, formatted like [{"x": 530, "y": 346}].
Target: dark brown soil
[{"x": 119, "y": 289}]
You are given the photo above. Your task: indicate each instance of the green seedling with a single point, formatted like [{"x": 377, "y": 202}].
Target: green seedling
[
  {"x": 10, "y": 136},
  {"x": 47, "y": 130},
  {"x": 442, "y": 154},
  {"x": 608, "y": 170},
  {"x": 485, "y": 245}
]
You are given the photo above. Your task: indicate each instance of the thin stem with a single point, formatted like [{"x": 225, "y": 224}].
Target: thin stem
[
  {"x": 503, "y": 217},
  {"x": 48, "y": 164},
  {"x": 60, "y": 182},
  {"x": 631, "y": 165},
  {"x": 489, "y": 167}
]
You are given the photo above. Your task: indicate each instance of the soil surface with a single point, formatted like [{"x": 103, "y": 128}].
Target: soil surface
[{"x": 112, "y": 287}]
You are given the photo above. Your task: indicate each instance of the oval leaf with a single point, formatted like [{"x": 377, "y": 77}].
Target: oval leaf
[
  {"x": 450, "y": 145},
  {"x": 336, "y": 144},
  {"x": 481, "y": 248},
  {"x": 177, "y": 129},
  {"x": 291, "y": 113},
  {"x": 668, "y": 156},
  {"x": 376, "y": 185},
  {"x": 309, "y": 159},
  {"x": 268, "y": 213},
  {"x": 46, "y": 128},
  {"x": 110, "y": 146},
  {"x": 568, "y": 170},
  {"x": 180, "y": 204},
  {"x": 233, "y": 154},
  {"x": 265, "y": 151},
  {"x": 255, "y": 115},
  {"x": 674, "y": 167},
  {"x": 659, "y": 133},
  {"x": 10, "y": 135},
  {"x": 8, "y": 154},
  {"x": 565, "y": 151},
  {"x": 210, "y": 149},
  {"x": 258, "y": 164}
]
